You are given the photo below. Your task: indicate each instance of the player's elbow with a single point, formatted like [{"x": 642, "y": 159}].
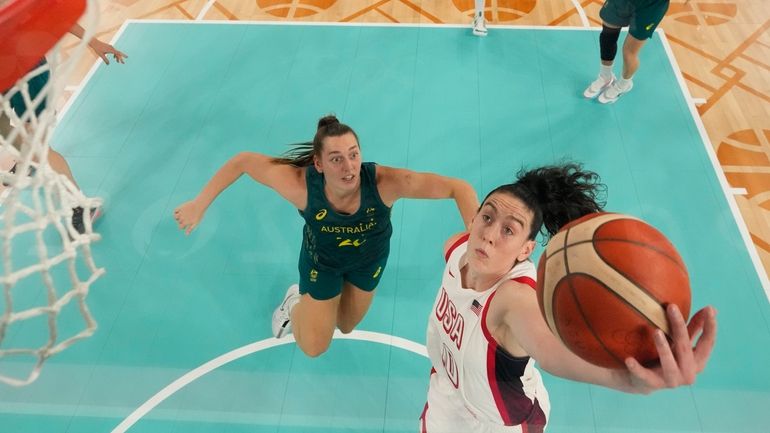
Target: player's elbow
[{"x": 244, "y": 160}]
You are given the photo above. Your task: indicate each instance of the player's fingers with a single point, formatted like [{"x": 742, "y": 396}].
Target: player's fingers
[
  {"x": 668, "y": 362},
  {"x": 682, "y": 347},
  {"x": 646, "y": 376},
  {"x": 707, "y": 340}
]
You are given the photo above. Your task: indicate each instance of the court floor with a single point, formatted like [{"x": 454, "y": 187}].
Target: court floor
[{"x": 148, "y": 135}]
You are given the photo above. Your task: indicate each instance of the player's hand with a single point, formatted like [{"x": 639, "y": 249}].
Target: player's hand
[
  {"x": 683, "y": 357},
  {"x": 103, "y": 48},
  {"x": 188, "y": 215}
]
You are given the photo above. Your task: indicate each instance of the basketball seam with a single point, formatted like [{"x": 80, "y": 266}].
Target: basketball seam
[
  {"x": 612, "y": 292},
  {"x": 588, "y": 323},
  {"x": 632, "y": 281},
  {"x": 554, "y": 306},
  {"x": 621, "y": 240}
]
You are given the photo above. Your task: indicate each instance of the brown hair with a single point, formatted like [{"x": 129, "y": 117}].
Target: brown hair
[
  {"x": 301, "y": 154},
  {"x": 556, "y": 195}
]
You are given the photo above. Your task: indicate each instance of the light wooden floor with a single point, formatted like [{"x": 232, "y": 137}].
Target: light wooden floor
[{"x": 722, "y": 47}]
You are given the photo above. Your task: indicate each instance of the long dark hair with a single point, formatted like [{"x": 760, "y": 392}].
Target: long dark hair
[
  {"x": 556, "y": 195},
  {"x": 301, "y": 154}
]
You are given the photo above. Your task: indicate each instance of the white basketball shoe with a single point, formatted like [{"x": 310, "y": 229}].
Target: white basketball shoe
[{"x": 282, "y": 314}]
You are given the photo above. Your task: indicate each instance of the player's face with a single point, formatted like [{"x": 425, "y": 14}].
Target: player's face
[
  {"x": 340, "y": 162},
  {"x": 499, "y": 235}
]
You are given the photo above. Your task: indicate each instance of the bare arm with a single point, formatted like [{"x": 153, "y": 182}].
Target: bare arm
[
  {"x": 101, "y": 48},
  {"x": 288, "y": 181},
  {"x": 680, "y": 361},
  {"x": 396, "y": 183}
]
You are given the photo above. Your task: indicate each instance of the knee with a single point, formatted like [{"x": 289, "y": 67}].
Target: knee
[
  {"x": 608, "y": 43},
  {"x": 346, "y": 328},
  {"x": 314, "y": 346}
]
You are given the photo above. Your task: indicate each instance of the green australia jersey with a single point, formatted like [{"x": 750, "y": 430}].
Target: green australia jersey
[{"x": 339, "y": 242}]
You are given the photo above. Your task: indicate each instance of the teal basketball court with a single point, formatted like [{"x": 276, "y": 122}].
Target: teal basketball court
[{"x": 184, "y": 344}]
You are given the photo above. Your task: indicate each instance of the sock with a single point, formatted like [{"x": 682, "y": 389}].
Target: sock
[
  {"x": 479, "y": 8},
  {"x": 624, "y": 83},
  {"x": 605, "y": 71}
]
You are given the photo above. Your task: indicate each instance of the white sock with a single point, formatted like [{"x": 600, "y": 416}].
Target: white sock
[
  {"x": 624, "y": 83},
  {"x": 605, "y": 71},
  {"x": 479, "y": 8}
]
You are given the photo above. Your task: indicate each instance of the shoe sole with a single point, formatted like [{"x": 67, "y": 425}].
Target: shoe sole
[
  {"x": 611, "y": 101},
  {"x": 282, "y": 332},
  {"x": 597, "y": 93}
]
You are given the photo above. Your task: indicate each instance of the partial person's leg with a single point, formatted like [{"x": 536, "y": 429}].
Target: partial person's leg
[
  {"x": 358, "y": 292},
  {"x": 60, "y": 165},
  {"x": 313, "y": 323},
  {"x": 309, "y": 309},
  {"x": 479, "y": 23},
  {"x": 643, "y": 24},
  {"x": 354, "y": 303},
  {"x": 608, "y": 48},
  {"x": 615, "y": 14},
  {"x": 631, "y": 48},
  {"x": 7, "y": 162}
]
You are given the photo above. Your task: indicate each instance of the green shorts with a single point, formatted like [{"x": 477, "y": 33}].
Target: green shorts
[
  {"x": 325, "y": 284},
  {"x": 35, "y": 85},
  {"x": 641, "y": 20}
]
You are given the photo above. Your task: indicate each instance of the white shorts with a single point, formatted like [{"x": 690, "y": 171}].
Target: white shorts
[{"x": 446, "y": 412}]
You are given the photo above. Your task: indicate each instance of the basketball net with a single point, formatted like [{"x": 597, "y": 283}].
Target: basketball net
[{"x": 39, "y": 245}]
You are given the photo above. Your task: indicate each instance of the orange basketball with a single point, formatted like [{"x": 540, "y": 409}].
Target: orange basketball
[{"x": 603, "y": 283}]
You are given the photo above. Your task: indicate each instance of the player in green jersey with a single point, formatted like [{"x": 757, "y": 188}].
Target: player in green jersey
[
  {"x": 346, "y": 206},
  {"x": 642, "y": 18}
]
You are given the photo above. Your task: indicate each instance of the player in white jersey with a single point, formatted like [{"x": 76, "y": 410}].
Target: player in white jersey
[{"x": 486, "y": 331}]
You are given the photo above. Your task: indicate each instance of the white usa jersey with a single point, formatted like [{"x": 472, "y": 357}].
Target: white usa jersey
[{"x": 475, "y": 385}]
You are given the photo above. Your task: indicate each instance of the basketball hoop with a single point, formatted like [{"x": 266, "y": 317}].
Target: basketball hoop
[{"x": 39, "y": 245}]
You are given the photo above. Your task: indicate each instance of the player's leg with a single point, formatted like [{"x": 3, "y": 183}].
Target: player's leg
[
  {"x": 313, "y": 323},
  {"x": 643, "y": 24},
  {"x": 309, "y": 309},
  {"x": 615, "y": 14},
  {"x": 357, "y": 294},
  {"x": 479, "y": 23}
]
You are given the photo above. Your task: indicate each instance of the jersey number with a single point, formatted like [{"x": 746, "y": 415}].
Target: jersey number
[{"x": 351, "y": 242}]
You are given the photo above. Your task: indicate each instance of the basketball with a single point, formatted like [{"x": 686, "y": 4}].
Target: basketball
[{"x": 603, "y": 285}]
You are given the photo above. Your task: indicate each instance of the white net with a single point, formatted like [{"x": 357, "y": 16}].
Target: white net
[{"x": 45, "y": 224}]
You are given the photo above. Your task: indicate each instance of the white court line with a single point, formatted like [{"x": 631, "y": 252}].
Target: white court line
[
  {"x": 208, "y": 367},
  {"x": 205, "y": 10},
  {"x": 78, "y": 89},
  {"x": 698, "y": 101},
  {"x": 582, "y": 13},
  {"x": 330, "y": 23},
  {"x": 727, "y": 190},
  {"x": 738, "y": 191}
]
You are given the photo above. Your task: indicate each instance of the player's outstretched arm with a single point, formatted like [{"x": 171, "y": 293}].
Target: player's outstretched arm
[
  {"x": 681, "y": 359},
  {"x": 284, "y": 179},
  {"x": 396, "y": 183}
]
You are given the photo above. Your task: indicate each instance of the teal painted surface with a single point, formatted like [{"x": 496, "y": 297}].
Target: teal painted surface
[{"x": 148, "y": 134}]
